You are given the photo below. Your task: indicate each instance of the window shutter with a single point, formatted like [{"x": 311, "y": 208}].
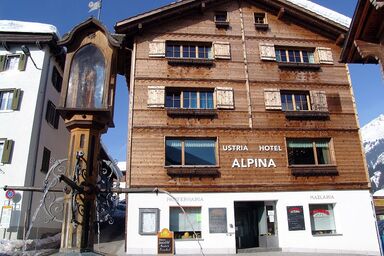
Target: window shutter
[
  {"x": 224, "y": 98},
  {"x": 319, "y": 101},
  {"x": 2, "y": 62},
  {"x": 22, "y": 62},
  {"x": 16, "y": 99},
  {"x": 324, "y": 55},
  {"x": 267, "y": 51},
  {"x": 222, "y": 50},
  {"x": 56, "y": 120},
  {"x": 272, "y": 99},
  {"x": 157, "y": 48},
  {"x": 156, "y": 95},
  {"x": 7, "y": 152}
]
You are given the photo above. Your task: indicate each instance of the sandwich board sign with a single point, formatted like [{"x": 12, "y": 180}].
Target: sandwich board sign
[
  {"x": 165, "y": 242},
  {"x": 5, "y": 217}
]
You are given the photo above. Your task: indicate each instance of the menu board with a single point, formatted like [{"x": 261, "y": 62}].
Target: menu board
[
  {"x": 295, "y": 218},
  {"x": 217, "y": 220},
  {"x": 165, "y": 242}
]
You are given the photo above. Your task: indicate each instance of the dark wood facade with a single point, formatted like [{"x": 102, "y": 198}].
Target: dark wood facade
[{"x": 249, "y": 122}]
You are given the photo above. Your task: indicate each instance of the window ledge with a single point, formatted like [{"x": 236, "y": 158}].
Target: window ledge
[
  {"x": 320, "y": 235},
  {"x": 320, "y": 115},
  {"x": 261, "y": 26},
  {"x": 181, "y": 112},
  {"x": 314, "y": 170},
  {"x": 188, "y": 239},
  {"x": 199, "y": 171},
  {"x": 222, "y": 24},
  {"x": 294, "y": 65},
  {"x": 190, "y": 62}
]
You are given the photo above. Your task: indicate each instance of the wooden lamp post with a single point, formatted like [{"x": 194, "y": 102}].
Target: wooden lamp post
[{"x": 86, "y": 105}]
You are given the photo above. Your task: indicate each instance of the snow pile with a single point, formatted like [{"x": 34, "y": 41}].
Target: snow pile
[
  {"x": 323, "y": 11},
  {"x": 14, "y": 247},
  {"x": 27, "y": 27},
  {"x": 372, "y": 133}
]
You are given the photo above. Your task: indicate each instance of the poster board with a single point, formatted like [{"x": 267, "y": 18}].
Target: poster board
[
  {"x": 165, "y": 242},
  {"x": 217, "y": 220},
  {"x": 5, "y": 217},
  {"x": 295, "y": 218}
]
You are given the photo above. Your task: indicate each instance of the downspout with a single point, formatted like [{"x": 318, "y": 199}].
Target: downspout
[{"x": 246, "y": 72}]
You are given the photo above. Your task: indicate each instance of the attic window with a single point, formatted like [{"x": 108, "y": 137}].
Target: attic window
[
  {"x": 221, "y": 19},
  {"x": 260, "y": 20}
]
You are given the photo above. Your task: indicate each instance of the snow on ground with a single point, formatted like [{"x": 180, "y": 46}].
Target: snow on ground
[{"x": 15, "y": 247}]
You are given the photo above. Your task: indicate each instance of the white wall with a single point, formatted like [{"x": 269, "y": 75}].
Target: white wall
[{"x": 355, "y": 224}]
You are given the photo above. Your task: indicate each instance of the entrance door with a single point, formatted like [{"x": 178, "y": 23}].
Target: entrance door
[{"x": 247, "y": 218}]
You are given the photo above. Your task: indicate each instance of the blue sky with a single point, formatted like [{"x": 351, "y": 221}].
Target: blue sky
[{"x": 65, "y": 14}]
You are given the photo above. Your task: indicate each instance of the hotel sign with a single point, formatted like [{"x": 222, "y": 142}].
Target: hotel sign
[{"x": 252, "y": 162}]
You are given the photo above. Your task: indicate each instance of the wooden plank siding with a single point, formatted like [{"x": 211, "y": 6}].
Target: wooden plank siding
[{"x": 151, "y": 125}]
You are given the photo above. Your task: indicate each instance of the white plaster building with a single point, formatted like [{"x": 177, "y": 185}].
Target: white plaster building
[{"x": 32, "y": 135}]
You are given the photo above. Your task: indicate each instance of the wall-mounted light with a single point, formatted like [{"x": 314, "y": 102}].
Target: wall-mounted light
[{"x": 27, "y": 52}]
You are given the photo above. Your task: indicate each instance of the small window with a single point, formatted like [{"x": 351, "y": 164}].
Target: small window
[
  {"x": 190, "y": 152},
  {"x": 57, "y": 80},
  {"x": 221, "y": 17},
  {"x": 149, "y": 221},
  {"x": 260, "y": 18},
  {"x": 185, "y": 225},
  {"x": 6, "y": 100},
  {"x": 322, "y": 219},
  {"x": 189, "y": 99},
  {"x": 12, "y": 62},
  {"x": 295, "y": 101},
  {"x": 46, "y": 160},
  {"x": 295, "y": 56},
  {"x": 52, "y": 116},
  {"x": 309, "y": 152},
  {"x": 188, "y": 51}
]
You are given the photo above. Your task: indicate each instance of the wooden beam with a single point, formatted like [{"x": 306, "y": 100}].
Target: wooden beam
[
  {"x": 281, "y": 13},
  {"x": 367, "y": 49}
]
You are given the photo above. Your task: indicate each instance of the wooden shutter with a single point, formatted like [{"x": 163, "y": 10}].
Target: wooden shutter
[
  {"x": 157, "y": 48},
  {"x": 7, "y": 152},
  {"x": 156, "y": 96},
  {"x": 22, "y": 62},
  {"x": 2, "y": 62},
  {"x": 319, "y": 101},
  {"x": 222, "y": 50},
  {"x": 224, "y": 98},
  {"x": 272, "y": 99},
  {"x": 267, "y": 51},
  {"x": 324, "y": 55},
  {"x": 16, "y": 99}
]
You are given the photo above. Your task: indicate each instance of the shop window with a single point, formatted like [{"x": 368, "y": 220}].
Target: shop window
[
  {"x": 149, "y": 220},
  {"x": 322, "y": 219},
  {"x": 189, "y": 50},
  {"x": 51, "y": 115},
  {"x": 185, "y": 225},
  {"x": 309, "y": 152},
  {"x": 295, "y": 55},
  {"x": 190, "y": 152},
  {"x": 57, "y": 79},
  {"x": 295, "y": 101},
  {"x": 46, "y": 160}
]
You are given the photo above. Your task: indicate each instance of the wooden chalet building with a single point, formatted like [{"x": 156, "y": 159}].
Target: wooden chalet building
[{"x": 241, "y": 110}]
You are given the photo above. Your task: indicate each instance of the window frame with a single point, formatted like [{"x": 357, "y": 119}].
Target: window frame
[
  {"x": 257, "y": 16},
  {"x": 6, "y": 62},
  {"x": 56, "y": 79},
  {"x": 2, "y": 142},
  {"x": 45, "y": 160},
  {"x": 180, "y": 46},
  {"x": 181, "y": 98},
  {"x": 182, "y": 140},
  {"x": 155, "y": 211},
  {"x": 51, "y": 115},
  {"x": 286, "y": 50},
  {"x": 293, "y": 95},
  {"x": 322, "y": 232},
  {"x": 332, "y": 161},
  {"x": 198, "y": 232}
]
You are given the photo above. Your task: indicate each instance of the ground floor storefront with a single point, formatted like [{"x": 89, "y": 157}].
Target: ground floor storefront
[{"x": 226, "y": 223}]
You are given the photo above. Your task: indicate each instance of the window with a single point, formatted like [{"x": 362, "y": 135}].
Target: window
[
  {"x": 6, "y": 99},
  {"x": 1, "y": 146},
  {"x": 190, "y": 99},
  {"x": 188, "y": 51},
  {"x": 56, "y": 79},
  {"x": 148, "y": 221},
  {"x": 185, "y": 225},
  {"x": 190, "y": 152},
  {"x": 46, "y": 160},
  {"x": 260, "y": 18},
  {"x": 309, "y": 152},
  {"x": 295, "y": 56},
  {"x": 295, "y": 101},
  {"x": 52, "y": 116},
  {"x": 13, "y": 62},
  {"x": 221, "y": 17},
  {"x": 322, "y": 219}
]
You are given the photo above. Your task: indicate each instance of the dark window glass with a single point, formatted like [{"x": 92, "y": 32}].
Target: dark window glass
[
  {"x": 294, "y": 101},
  {"x": 185, "y": 225},
  {"x": 283, "y": 55},
  {"x": 51, "y": 115},
  {"x": 305, "y": 57},
  {"x": 189, "y": 99},
  {"x": 286, "y": 102},
  {"x": 200, "y": 152},
  {"x": 278, "y": 55},
  {"x": 204, "y": 52},
  {"x": 57, "y": 80},
  {"x": 301, "y": 102},
  {"x": 173, "y": 152},
  {"x": 302, "y": 152},
  {"x": 45, "y": 161},
  {"x": 291, "y": 55},
  {"x": 221, "y": 16},
  {"x": 322, "y": 219},
  {"x": 172, "y": 99},
  {"x": 189, "y": 51},
  {"x": 206, "y": 100},
  {"x": 260, "y": 18},
  {"x": 173, "y": 51},
  {"x": 297, "y": 56},
  {"x": 323, "y": 152}
]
